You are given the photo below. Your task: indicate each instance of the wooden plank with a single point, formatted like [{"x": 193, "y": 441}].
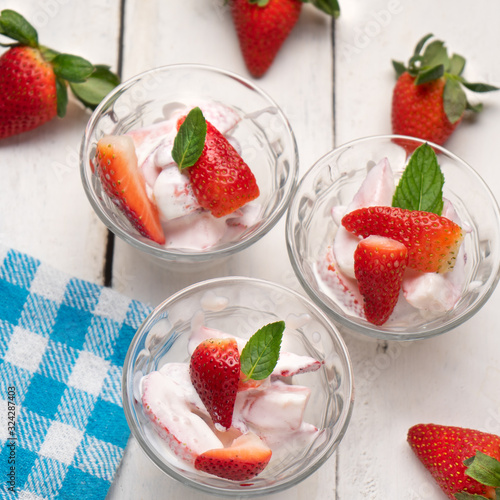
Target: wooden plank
[
  {"x": 447, "y": 379},
  {"x": 300, "y": 81},
  {"x": 44, "y": 209}
]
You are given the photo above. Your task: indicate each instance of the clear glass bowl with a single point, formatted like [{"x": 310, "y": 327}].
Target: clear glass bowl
[
  {"x": 334, "y": 179},
  {"x": 264, "y": 134},
  {"x": 242, "y": 305}
]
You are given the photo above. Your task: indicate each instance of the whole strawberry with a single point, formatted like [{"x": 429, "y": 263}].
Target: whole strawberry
[
  {"x": 34, "y": 79},
  {"x": 428, "y": 100},
  {"x": 263, "y": 25},
  {"x": 379, "y": 265},
  {"x": 222, "y": 182},
  {"x": 463, "y": 462},
  {"x": 215, "y": 374}
]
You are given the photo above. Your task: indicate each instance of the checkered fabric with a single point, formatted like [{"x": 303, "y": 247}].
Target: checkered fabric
[{"x": 62, "y": 346}]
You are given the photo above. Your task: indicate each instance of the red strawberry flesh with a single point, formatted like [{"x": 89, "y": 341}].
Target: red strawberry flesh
[
  {"x": 28, "y": 90},
  {"x": 243, "y": 460},
  {"x": 215, "y": 374},
  {"x": 116, "y": 163},
  {"x": 432, "y": 241},
  {"x": 379, "y": 265},
  {"x": 222, "y": 182},
  {"x": 442, "y": 450}
]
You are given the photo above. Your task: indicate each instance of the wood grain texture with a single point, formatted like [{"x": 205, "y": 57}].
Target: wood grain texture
[{"x": 328, "y": 77}]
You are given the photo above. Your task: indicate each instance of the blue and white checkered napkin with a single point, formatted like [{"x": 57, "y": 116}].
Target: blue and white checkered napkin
[{"x": 62, "y": 346}]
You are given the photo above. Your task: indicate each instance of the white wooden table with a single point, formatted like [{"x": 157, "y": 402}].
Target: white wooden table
[{"x": 334, "y": 82}]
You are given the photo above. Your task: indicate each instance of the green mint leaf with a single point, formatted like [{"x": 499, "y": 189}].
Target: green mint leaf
[
  {"x": 97, "y": 86},
  {"x": 454, "y": 100},
  {"x": 72, "y": 68},
  {"x": 457, "y": 65},
  {"x": 62, "y": 97},
  {"x": 190, "y": 139},
  {"x": 479, "y": 87},
  {"x": 484, "y": 469},
  {"x": 330, "y": 7},
  {"x": 430, "y": 74},
  {"x": 421, "y": 185},
  {"x": 18, "y": 28},
  {"x": 261, "y": 352}
]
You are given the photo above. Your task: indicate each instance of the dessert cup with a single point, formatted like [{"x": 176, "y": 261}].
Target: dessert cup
[
  {"x": 263, "y": 133},
  {"x": 241, "y": 306},
  {"x": 334, "y": 179}
]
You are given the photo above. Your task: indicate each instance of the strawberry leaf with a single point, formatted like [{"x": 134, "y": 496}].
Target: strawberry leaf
[
  {"x": 469, "y": 496},
  {"x": 18, "y": 28},
  {"x": 93, "y": 90},
  {"x": 484, "y": 469},
  {"x": 62, "y": 97},
  {"x": 399, "y": 67},
  {"x": 430, "y": 74},
  {"x": 190, "y": 139},
  {"x": 454, "y": 100},
  {"x": 479, "y": 87},
  {"x": 435, "y": 54},
  {"x": 330, "y": 7},
  {"x": 260, "y": 354},
  {"x": 457, "y": 65},
  {"x": 421, "y": 185},
  {"x": 421, "y": 43},
  {"x": 72, "y": 68}
]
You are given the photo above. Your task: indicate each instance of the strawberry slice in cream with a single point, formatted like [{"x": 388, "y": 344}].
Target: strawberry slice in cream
[{"x": 429, "y": 293}]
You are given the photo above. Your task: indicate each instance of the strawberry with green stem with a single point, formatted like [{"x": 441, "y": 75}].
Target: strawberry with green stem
[
  {"x": 221, "y": 180},
  {"x": 428, "y": 99},
  {"x": 465, "y": 463},
  {"x": 262, "y": 26},
  {"x": 34, "y": 79}
]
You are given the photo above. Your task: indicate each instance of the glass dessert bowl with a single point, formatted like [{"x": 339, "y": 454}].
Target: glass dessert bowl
[
  {"x": 323, "y": 197},
  {"x": 146, "y": 109},
  {"x": 319, "y": 368}
]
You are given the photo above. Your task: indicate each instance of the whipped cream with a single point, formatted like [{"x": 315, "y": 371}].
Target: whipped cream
[{"x": 186, "y": 224}]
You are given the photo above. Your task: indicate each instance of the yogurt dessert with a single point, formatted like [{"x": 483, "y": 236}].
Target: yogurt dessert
[
  {"x": 234, "y": 406},
  {"x": 398, "y": 249},
  {"x": 192, "y": 205}
]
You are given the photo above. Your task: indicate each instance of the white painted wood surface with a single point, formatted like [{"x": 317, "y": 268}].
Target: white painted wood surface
[{"x": 325, "y": 70}]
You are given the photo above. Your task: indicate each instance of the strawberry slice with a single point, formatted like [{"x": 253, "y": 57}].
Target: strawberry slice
[
  {"x": 379, "y": 265},
  {"x": 215, "y": 373},
  {"x": 116, "y": 163},
  {"x": 432, "y": 241},
  {"x": 443, "y": 450},
  {"x": 222, "y": 182},
  {"x": 244, "y": 459}
]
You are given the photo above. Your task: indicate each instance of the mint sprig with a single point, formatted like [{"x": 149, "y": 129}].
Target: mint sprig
[
  {"x": 190, "y": 139},
  {"x": 421, "y": 185},
  {"x": 260, "y": 354}
]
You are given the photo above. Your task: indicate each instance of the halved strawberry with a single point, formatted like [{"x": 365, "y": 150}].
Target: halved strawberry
[
  {"x": 116, "y": 165},
  {"x": 215, "y": 374},
  {"x": 432, "y": 241},
  {"x": 244, "y": 459},
  {"x": 379, "y": 265},
  {"x": 222, "y": 182}
]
